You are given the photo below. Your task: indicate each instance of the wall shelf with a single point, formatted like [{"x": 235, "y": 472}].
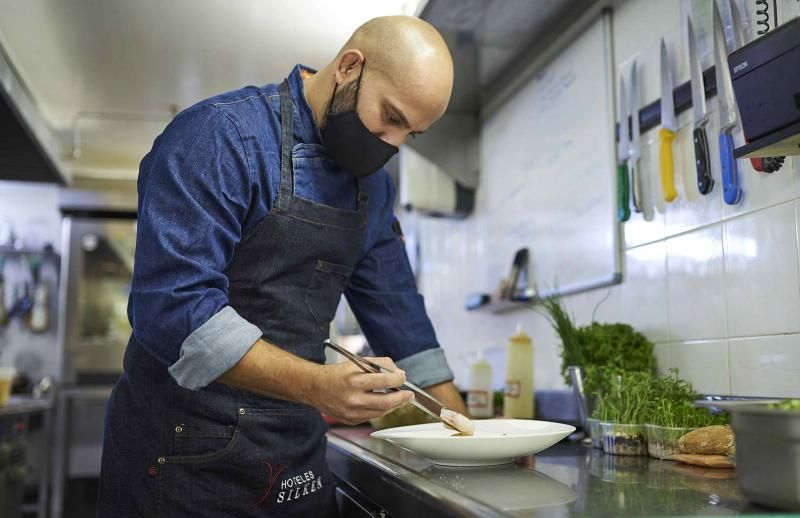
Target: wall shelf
[{"x": 11, "y": 251}]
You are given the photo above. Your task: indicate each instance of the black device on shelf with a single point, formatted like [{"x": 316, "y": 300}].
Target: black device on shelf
[{"x": 766, "y": 81}]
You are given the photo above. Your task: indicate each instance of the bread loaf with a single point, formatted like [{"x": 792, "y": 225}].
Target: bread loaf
[{"x": 710, "y": 440}]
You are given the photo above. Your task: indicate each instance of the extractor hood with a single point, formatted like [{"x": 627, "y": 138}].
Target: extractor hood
[
  {"x": 491, "y": 41},
  {"x": 27, "y": 148}
]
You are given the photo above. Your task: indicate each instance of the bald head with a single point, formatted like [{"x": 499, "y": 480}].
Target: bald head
[
  {"x": 406, "y": 74},
  {"x": 405, "y": 49}
]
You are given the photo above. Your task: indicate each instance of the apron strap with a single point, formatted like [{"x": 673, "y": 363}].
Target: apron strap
[
  {"x": 362, "y": 201},
  {"x": 287, "y": 139},
  {"x": 287, "y": 142}
]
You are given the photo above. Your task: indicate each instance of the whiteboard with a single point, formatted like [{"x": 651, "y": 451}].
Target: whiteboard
[{"x": 548, "y": 170}]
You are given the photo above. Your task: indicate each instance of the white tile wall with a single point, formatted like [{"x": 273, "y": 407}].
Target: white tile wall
[
  {"x": 761, "y": 272},
  {"x": 717, "y": 288},
  {"x": 795, "y": 161},
  {"x": 696, "y": 285},
  {"x": 766, "y": 366},
  {"x": 644, "y": 292},
  {"x": 703, "y": 363}
]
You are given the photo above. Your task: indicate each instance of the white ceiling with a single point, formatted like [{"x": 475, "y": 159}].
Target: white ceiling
[{"x": 114, "y": 69}]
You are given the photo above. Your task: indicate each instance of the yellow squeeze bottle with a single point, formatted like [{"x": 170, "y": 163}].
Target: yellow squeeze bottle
[
  {"x": 480, "y": 399},
  {"x": 518, "y": 397}
]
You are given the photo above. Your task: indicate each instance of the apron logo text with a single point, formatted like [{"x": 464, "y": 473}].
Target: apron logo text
[{"x": 298, "y": 486}]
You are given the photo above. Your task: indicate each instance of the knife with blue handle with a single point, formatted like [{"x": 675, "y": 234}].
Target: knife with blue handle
[{"x": 731, "y": 190}]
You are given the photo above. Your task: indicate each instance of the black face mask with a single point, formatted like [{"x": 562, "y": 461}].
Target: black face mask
[{"x": 354, "y": 148}]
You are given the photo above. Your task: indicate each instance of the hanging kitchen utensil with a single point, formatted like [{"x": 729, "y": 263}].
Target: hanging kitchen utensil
[
  {"x": 668, "y": 128},
  {"x": 623, "y": 179},
  {"x": 705, "y": 182},
  {"x": 22, "y": 301},
  {"x": 3, "y": 309},
  {"x": 731, "y": 190},
  {"x": 38, "y": 321},
  {"x": 518, "y": 278},
  {"x": 641, "y": 180},
  {"x": 633, "y": 146}
]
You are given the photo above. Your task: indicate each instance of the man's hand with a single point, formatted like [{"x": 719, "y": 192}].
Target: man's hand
[{"x": 345, "y": 392}]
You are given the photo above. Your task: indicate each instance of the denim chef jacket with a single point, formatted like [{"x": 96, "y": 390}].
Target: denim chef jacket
[{"x": 211, "y": 176}]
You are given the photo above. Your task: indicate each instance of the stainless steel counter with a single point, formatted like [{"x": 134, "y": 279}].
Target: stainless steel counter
[
  {"x": 568, "y": 479},
  {"x": 25, "y": 405}
]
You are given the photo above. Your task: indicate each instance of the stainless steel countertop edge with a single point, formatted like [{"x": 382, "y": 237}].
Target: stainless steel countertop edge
[{"x": 459, "y": 504}]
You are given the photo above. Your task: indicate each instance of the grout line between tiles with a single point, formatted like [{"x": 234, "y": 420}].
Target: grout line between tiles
[
  {"x": 725, "y": 302},
  {"x": 720, "y": 338},
  {"x": 708, "y": 225},
  {"x": 797, "y": 236}
]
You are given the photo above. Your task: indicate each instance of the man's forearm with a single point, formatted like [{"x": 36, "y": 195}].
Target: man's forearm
[
  {"x": 342, "y": 390},
  {"x": 270, "y": 371}
]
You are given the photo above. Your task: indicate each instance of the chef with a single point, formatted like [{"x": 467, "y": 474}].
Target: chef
[{"x": 257, "y": 209}]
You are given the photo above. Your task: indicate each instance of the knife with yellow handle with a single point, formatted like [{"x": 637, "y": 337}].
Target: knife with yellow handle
[{"x": 668, "y": 128}]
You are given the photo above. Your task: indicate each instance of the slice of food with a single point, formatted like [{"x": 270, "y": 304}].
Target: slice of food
[{"x": 458, "y": 421}]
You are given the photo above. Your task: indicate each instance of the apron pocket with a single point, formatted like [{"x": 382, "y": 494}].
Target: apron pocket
[
  {"x": 273, "y": 466},
  {"x": 201, "y": 440},
  {"x": 325, "y": 290}
]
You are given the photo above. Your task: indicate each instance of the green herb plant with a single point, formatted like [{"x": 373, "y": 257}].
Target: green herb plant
[
  {"x": 565, "y": 328},
  {"x": 627, "y": 399},
  {"x": 672, "y": 404},
  {"x": 601, "y": 350},
  {"x": 639, "y": 398}
]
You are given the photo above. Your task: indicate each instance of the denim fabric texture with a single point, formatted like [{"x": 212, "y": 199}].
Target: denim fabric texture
[
  {"x": 211, "y": 179},
  {"x": 222, "y": 451}
]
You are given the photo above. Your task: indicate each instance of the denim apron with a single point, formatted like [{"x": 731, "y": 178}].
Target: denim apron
[{"x": 173, "y": 452}]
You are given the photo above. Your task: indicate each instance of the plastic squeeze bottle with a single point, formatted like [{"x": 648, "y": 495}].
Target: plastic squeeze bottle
[
  {"x": 480, "y": 400},
  {"x": 518, "y": 398}
]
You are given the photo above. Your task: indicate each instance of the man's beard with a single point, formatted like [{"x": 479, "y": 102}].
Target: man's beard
[{"x": 344, "y": 99}]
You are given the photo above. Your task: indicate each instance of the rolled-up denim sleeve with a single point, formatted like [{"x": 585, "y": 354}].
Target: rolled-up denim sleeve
[
  {"x": 383, "y": 295},
  {"x": 194, "y": 192}
]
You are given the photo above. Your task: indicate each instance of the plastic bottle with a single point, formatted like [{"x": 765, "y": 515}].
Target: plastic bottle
[
  {"x": 480, "y": 399},
  {"x": 518, "y": 398}
]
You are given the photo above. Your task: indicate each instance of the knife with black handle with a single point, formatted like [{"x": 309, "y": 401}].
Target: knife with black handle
[{"x": 705, "y": 183}]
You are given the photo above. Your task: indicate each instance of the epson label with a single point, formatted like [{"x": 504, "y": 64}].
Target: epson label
[{"x": 741, "y": 66}]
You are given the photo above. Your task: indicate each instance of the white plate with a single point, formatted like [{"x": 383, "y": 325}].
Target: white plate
[{"x": 496, "y": 441}]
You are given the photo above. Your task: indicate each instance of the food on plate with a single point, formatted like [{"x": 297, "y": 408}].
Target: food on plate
[{"x": 458, "y": 421}]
